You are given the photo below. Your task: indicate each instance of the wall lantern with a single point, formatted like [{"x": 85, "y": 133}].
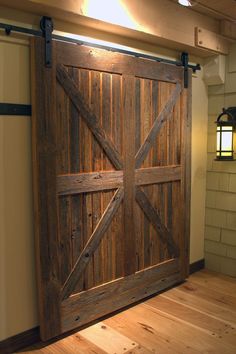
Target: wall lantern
[{"x": 226, "y": 124}]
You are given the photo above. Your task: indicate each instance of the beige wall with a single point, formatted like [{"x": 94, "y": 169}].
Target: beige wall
[
  {"x": 199, "y": 161},
  {"x": 18, "y": 303},
  {"x": 17, "y": 283},
  {"x": 220, "y": 232}
]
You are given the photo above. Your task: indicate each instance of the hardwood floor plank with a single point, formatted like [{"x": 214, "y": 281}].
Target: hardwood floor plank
[
  {"x": 216, "y": 296},
  {"x": 212, "y": 280},
  {"x": 192, "y": 317},
  {"x": 188, "y": 319},
  {"x": 74, "y": 344},
  {"x": 167, "y": 325},
  {"x": 139, "y": 350},
  {"x": 203, "y": 305},
  {"x": 147, "y": 336},
  {"x": 108, "y": 339}
]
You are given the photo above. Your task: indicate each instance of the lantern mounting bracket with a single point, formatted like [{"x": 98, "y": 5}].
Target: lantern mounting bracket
[{"x": 230, "y": 113}]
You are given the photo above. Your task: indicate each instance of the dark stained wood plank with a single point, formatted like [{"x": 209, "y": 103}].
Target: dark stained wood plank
[
  {"x": 139, "y": 216},
  {"x": 86, "y": 166},
  {"x": 63, "y": 166},
  {"x": 145, "y": 102},
  {"x": 113, "y": 62},
  {"x": 161, "y": 118},
  {"x": 105, "y": 180},
  {"x": 96, "y": 262},
  {"x": 44, "y": 139},
  {"x": 112, "y": 296},
  {"x": 117, "y": 135},
  {"x": 154, "y": 218},
  {"x": 92, "y": 121},
  {"x": 155, "y": 111},
  {"x": 153, "y": 195},
  {"x": 76, "y": 200},
  {"x": 108, "y": 239},
  {"x": 92, "y": 243},
  {"x": 129, "y": 175}
]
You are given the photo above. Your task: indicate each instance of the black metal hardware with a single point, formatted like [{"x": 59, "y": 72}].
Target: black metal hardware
[
  {"x": 184, "y": 60},
  {"x": 32, "y": 32},
  {"x": 231, "y": 116},
  {"x": 46, "y": 26},
  {"x": 11, "y": 109},
  {"x": 11, "y": 28}
]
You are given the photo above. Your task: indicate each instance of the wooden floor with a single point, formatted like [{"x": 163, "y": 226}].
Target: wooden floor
[{"x": 198, "y": 316}]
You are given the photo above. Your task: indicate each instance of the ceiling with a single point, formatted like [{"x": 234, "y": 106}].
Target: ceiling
[{"x": 220, "y": 9}]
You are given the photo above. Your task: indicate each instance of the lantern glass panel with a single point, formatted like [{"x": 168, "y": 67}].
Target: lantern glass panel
[{"x": 227, "y": 141}]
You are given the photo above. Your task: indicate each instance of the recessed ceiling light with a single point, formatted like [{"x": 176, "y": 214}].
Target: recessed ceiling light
[{"x": 185, "y": 2}]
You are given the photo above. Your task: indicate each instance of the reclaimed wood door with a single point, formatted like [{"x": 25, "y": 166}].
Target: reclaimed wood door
[{"x": 111, "y": 161}]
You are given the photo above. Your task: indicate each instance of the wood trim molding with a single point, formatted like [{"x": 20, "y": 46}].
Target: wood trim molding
[
  {"x": 19, "y": 341},
  {"x": 196, "y": 266},
  {"x": 172, "y": 31}
]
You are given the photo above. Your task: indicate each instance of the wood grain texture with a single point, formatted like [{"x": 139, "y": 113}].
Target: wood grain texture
[
  {"x": 106, "y": 180},
  {"x": 80, "y": 309},
  {"x": 104, "y": 60},
  {"x": 115, "y": 343},
  {"x": 44, "y": 178},
  {"x": 160, "y": 119},
  {"x": 109, "y": 108},
  {"x": 92, "y": 243},
  {"x": 93, "y": 123},
  {"x": 163, "y": 325},
  {"x": 154, "y": 218},
  {"x": 129, "y": 176}
]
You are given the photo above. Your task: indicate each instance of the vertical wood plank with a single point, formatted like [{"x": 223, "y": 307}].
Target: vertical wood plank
[
  {"x": 129, "y": 166},
  {"x": 146, "y": 125},
  {"x": 97, "y": 199},
  {"x": 155, "y": 241},
  {"x": 117, "y": 129},
  {"x": 76, "y": 200},
  {"x": 108, "y": 240},
  {"x": 138, "y": 212},
  {"x": 44, "y": 172},
  {"x": 63, "y": 167},
  {"x": 86, "y": 146}
]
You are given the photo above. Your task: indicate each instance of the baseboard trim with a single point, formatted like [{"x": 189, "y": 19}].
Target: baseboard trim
[
  {"x": 196, "y": 266},
  {"x": 20, "y": 341},
  {"x": 32, "y": 336}
]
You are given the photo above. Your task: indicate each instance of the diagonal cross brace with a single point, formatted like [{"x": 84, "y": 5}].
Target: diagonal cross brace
[
  {"x": 72, "y": 90},
  {"x": 160, "y": 119},
  {"x": 155, "y": 220},
  {"x": 92, "y": 243}
]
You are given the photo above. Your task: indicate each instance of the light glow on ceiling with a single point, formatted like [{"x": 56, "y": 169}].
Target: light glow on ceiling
[
  {"x": 185, "y": 2},
  {"x": 112, "y": 11}
]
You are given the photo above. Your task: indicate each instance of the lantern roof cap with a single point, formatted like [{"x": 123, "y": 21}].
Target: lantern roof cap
[{"x": 230, "y": 112}]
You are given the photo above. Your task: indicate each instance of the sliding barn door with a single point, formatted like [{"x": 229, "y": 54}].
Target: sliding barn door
[{"x": 111, "y": 153}]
